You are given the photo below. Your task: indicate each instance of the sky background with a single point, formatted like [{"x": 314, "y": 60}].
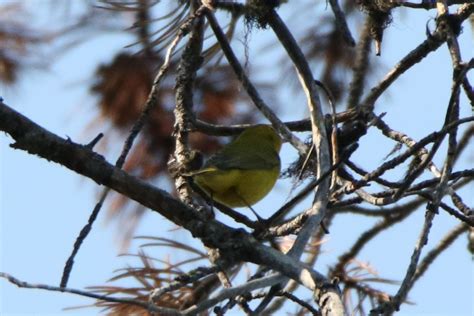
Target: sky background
[{"x": 43, "y": 205}]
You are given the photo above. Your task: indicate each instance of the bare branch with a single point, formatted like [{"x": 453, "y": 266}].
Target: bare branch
[
  {"x": 235, "y": 245},
  {"x": 249, "y": 87},
  {"x": 148, "y": 306},
  {"x": 432, "y": 43},
  {"x": 341, "y": 23},
  {"x": 135, "y": 130},
  {"x": 361, "y": 67},
  {"x": 443, "y": 244}
]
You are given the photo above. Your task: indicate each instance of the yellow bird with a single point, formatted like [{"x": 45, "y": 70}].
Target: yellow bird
[{"x": 244, "y": 171}]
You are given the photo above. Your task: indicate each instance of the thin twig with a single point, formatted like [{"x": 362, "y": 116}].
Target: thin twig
[
  {"x": 127, "y": 146},
  {"x": 370, "y": 234},
  {"x": 342, "y": 23},
  {"x": 432, "y": 207},
  {"x": 362, "y": 62},
  {"x": 443, "y": 244},
  {"x": 282, "y": 211},
  {"x": 234, "y": 292},
  {"x": 402, "y": 157},
  {"x": 320, "y": 140},
  {"x": 415, "y": 56},
  {"x": 249, "y": 87},
  {"x": 148, "y": 306},
  {"x": 300, "y": 302},
  {"x": 427, "y": 5}
]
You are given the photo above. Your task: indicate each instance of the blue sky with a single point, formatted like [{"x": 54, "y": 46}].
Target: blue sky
[{"x": 43, "y": 205}]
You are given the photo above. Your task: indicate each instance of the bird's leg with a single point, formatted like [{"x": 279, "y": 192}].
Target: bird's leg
[
  {"x": 212, "y": 201},
  {"x": 259, "y": 219}
]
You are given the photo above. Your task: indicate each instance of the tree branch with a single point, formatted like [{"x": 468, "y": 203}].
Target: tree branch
[
  {"x": 236, "y": 245},
  {"x": 148, "y": 306}
]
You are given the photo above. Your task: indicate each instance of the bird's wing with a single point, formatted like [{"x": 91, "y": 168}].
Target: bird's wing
[{"x": 266, "y": 158}]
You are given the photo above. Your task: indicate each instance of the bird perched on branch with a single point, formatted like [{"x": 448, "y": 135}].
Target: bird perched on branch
[{"x": 244, "y": 171}]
